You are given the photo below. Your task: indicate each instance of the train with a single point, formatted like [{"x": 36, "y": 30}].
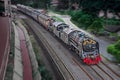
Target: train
[{"x": 84, "y": 45}]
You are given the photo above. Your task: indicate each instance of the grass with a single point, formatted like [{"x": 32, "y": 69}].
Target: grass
[
  {"x": 42, "y": 69},
  {"x": 57, "y": 18}
]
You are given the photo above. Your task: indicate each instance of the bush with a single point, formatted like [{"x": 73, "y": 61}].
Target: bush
[
  {"x": 85, "y": 19},
  {"x": 96, "y": 25},
  {"x": 111, "y": 49},
  {"x": 45, "y": 73},
  {"x": 69, "y": 12},
  {"x": 117, "y": 56},
  {"x": 115, "y": 50},
  {"x": 112, "y": 21},
  {"x": 76, "y": 15},
  {"x": 117, "y": 45}
]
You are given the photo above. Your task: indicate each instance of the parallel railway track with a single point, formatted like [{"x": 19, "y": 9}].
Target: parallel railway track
[
  {"x": 66, "y": 73},
  {"x": 81, "y": 67},
  {"x": 105, "y": 72},
  {"x": 118, "y": 75},
  {"x": 97, "y": 73}
]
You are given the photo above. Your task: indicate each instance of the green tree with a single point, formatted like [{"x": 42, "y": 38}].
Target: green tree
[
  {"x": 95, "y": 6},
  {"x": 116, "y": 7},
  {"x": 91, "y": 6},
  {"x": 63, "y": 4},
  {"x": 43, "y": 3},
  {"x": 96, "y": 25}
]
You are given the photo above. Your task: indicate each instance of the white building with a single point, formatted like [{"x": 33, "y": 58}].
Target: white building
[{"x": 6, "y": 4}]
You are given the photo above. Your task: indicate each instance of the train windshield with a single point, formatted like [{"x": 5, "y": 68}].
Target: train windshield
[{"x": 90, "y": 47}]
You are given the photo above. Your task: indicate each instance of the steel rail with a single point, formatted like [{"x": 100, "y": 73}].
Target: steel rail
[
  {"x": 105, "y": 72},
  {"x": 110, "y": 69},
  {"x": 91, "y": 78},
  {"x": 97, "y": 73}
]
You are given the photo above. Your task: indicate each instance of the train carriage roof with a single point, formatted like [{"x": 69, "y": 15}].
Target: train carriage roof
[
  {"x": 69, "y": 30},
  {"x": 45, "y": 17}
]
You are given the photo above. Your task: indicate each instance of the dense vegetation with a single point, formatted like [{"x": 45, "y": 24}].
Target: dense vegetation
[
  {"x": 57, "y": 18},
  {"x": 87, "y": 21},
  {"x": 45, "y": 73},
  {"x": 114, "y": 49}
]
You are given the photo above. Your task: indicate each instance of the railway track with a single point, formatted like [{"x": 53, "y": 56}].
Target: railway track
[
  {"x": 63, "y": 69},
  {"x": 105, "y": 72},
  {"x": 66, "y": 74},
  {"x": 90, "y": 77},
  {"x": 118, "y": 75}
]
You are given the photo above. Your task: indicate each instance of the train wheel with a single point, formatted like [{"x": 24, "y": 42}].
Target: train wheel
[
  {"x": 71, "y": 48},
  {"x": 76, "y": 51}
]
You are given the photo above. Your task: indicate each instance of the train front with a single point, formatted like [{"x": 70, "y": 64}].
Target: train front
[{"x": 90, "y": 53}]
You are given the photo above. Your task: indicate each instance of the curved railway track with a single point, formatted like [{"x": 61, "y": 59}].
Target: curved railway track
[
  {"x": 63, "y": 69},
  {"x": 66, "y": 74}
]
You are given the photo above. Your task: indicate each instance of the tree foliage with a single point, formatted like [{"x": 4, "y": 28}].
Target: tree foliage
[
  {"x": 95, "y": 6},
  {"x": 96, "y": 25},
  {"x": 63, "y": 4},
  {"x": 115, "y": 50},
  {"x": 92, "y": 6}
]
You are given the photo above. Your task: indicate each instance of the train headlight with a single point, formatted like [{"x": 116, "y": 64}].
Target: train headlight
[{"x": 92, "y": 57}]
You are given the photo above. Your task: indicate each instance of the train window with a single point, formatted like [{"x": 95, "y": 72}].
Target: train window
[
  {"x": 89, "y": 47},
  {"x": 64, "y": 25},
  {"x": 59, "y": 28},
  {"x": 73, "y": 34},
  {"x": 81, "y": 34}
]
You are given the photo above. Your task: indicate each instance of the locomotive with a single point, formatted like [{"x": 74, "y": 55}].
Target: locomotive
[{"x": 85, "y": 46}]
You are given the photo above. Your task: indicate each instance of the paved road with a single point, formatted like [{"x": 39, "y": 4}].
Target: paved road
[
  {"x": 4, "y": 44},
  {"x": 103, "y": 43}
]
